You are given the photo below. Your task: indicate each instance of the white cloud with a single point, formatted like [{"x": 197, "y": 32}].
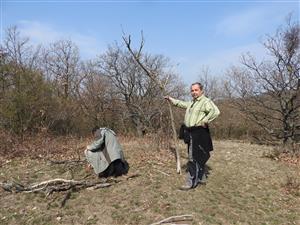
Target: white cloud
[
  {"x": 41, "y": 33},
  {"x": 241, "y": 23},
  {"x": 251, "y": 21},
  {"x": 222, "y": 60},
  {"x": 37, "y": 32}
]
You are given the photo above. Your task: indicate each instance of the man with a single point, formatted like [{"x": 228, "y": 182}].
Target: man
[
  {"x": 199, "y": 113},
  {"x": 105, "y": 154}
]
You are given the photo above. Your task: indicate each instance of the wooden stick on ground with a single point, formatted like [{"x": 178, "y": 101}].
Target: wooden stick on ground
[
  {"x": 50, "y": 186},
  {"x": 172, "y": 219},
  {"x": 59, "y": 184},
  {"x": 67, "y": 196},
  {"x": 68, "y": 161}
]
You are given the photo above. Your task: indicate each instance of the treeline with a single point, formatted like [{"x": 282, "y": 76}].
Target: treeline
[{"x": 51, "y": 89}]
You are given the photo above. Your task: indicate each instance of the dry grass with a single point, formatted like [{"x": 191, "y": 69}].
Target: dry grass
[{"x": 243, "y": 188}]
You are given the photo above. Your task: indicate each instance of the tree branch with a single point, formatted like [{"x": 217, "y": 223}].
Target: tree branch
[
  {"x": 175, "y": 219},
  {"x": 153, "y": 76}
]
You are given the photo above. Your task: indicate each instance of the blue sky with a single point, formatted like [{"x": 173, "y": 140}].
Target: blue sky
[{"x": 193, "y": 33}]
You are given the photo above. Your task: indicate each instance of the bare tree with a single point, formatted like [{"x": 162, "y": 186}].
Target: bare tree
[
  {"x": 154, "y": 75},
  {"x": 61, "y": 66},
  {"x": 61, "y": 62},
  {"x": 19, "y": 51},
  {"x": 269, "y": 91},
  {"x": 212, "y": 85},
  {"x": 95, "y": 95},
  {"x": 139, "y": 93},
  {"x": 16, "y": 52}
]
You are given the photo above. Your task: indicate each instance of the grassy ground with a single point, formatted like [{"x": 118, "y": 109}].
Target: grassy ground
[{"x": 243, "y": 188}]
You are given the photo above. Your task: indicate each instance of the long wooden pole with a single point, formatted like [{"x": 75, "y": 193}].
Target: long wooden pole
[{"x": 152, "y": 76}]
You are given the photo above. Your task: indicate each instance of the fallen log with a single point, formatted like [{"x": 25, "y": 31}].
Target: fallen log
[
  {"x": 50, "y": 186},
  {"x": 60, "y": 184}
]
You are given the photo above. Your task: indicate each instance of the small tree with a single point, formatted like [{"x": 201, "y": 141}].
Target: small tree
[{"x": 268, "y": 91}]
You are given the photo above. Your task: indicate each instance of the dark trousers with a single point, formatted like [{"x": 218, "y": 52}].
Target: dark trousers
[
  {"x": 199, "y": 147},
  {"x": 115, "y": 168},
  {"x": 196, "y": 171}
]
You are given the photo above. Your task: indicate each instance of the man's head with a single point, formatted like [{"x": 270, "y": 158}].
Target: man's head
[{"x": 196, "y": 90}]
